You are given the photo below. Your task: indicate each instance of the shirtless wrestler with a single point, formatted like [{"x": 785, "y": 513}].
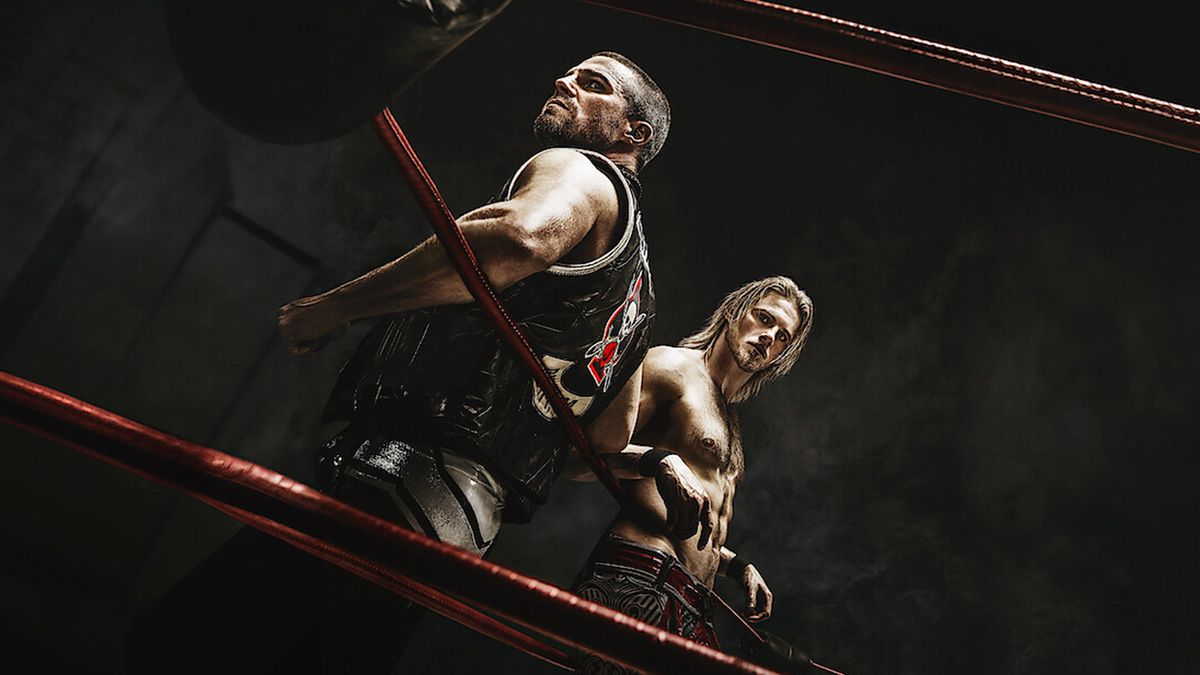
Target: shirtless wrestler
[{"x": 686, "y": 417}]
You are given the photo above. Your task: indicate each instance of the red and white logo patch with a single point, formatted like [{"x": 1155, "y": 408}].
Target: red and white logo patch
[{"x": 581, "y": 381}]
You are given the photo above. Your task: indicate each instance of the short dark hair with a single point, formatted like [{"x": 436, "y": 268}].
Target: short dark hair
[{"x": 647, "y": 103}]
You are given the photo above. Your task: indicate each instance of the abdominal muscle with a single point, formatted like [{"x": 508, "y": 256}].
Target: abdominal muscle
[{"x": 644, "y": 517}]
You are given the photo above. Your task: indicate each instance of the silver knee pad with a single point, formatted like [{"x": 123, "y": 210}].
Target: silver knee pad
[{"x": 444, "y": 495}]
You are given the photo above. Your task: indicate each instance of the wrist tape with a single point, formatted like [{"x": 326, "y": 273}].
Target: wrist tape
[
  {"x": 736, "y": 567},
  {"x": 649, "y": 461}
]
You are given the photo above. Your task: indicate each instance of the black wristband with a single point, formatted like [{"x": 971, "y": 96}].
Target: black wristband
[
  {"x": 736, "y": 567},
  {"x": 648, "y": 462}
]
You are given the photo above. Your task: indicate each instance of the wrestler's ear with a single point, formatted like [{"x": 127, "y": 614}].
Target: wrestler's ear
[{"x": 638, "y": 133}]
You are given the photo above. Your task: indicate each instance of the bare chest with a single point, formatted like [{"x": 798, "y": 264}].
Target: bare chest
[{"x": 701, "y": 424}]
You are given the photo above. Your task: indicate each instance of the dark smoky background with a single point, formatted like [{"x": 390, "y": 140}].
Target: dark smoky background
[{"x": 983, "y": 463}]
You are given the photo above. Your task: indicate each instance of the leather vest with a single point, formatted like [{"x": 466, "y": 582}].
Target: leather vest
[{"x": 444, "y": 376}]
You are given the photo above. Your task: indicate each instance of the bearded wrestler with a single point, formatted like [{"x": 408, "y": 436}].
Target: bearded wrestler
[
  {"x": 443, "y": 422},
  {"x": 444, "y": 432},
  {"x": 686, "y": 416}
]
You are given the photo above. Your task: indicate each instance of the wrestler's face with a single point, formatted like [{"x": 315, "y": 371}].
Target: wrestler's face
[
  {"x": 587, "y": 109},
  {"x": 761, "y": 335}
]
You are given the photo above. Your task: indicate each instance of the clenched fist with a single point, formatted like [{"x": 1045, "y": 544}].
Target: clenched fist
[{"x": 305, "y": 326}]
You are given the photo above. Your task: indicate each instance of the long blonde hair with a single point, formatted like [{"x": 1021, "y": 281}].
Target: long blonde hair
[{"x": 734, "y": 307}]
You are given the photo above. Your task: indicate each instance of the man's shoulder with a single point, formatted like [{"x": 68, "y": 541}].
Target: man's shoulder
[
  {"x": 564, "y": 161},
  {"x": 666, "y": 356},
  {"x": 570, "y": 173},
  {"x": 674, "y": 367}
]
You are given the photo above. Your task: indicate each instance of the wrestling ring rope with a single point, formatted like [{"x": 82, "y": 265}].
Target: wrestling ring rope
[
  {"x": 449, "y": 234},
  {"x": 931, "y": 63},
  {"x": 446, "y": 579},
  {"x": 372, "y": 547}
]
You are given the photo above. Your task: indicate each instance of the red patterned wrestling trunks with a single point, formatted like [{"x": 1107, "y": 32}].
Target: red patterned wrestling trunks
[{"x": 648, "y": 585}]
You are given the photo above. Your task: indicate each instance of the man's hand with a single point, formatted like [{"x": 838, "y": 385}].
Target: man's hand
[
  {"x": 687, "y": 502},
  {"x": 305, "y": 327},
  {"x": 758, "y": 596}
]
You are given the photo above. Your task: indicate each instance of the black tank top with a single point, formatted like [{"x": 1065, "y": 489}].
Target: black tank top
[{"x": 444, "y": 376}]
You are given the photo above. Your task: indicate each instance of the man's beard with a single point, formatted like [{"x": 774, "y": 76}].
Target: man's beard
[
  {"x": 744, "y": 360},
  {"x": 555, "y": 131}
]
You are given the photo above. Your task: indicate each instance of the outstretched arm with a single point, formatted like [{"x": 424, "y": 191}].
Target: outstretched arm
[
  {"x": 558, "y": 198},
  {"x": 622, "y": 465},
  {"x": 759, "y": 599}
]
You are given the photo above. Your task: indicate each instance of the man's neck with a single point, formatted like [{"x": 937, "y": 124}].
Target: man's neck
[
  {"x": 723, "y": 369},
  {"x": 622, "y": 159}
]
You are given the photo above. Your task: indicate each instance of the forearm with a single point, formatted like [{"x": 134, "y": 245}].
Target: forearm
[
  {"x": 759, "y": 599},
  {"x": 623, "y": 465},
  {"x": 425, "y": 277}
]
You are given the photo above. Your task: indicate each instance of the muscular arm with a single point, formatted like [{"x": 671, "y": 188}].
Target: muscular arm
[
  {"x": 622, "y": 465},
  {"x": 760, "y": 601},
  {"x": 558, "y": 198},
  {"x": 612, "y": 431},
  {"x": 683, "y": 494}
]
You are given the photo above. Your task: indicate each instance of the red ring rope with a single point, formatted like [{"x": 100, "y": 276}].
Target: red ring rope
[
  {"x": 448, "y": 233},
  {"x": 931, "y": 63},
  {"x": 451, "y": 237},
  {"x": 406, "y": 588},
  {"x": 293, "y": 512},
  {"x": 244, "y": 486}
]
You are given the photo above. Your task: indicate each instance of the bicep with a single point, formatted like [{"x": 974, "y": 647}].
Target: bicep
[
  {"x": 659, "y": 386},
  {"x": 559, "y": 197},
  {"x": 611, "y": 431}
]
